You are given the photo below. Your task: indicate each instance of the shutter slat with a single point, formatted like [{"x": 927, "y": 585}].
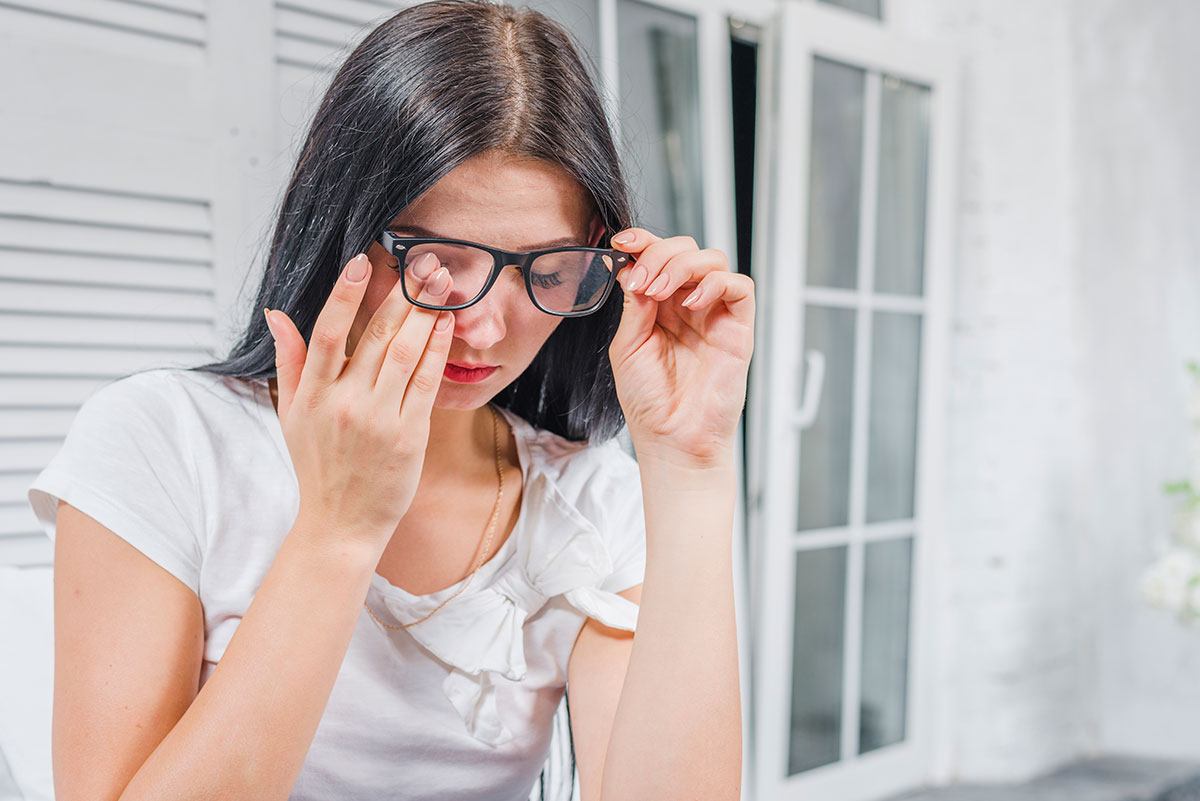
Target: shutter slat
[
  {"x": 98, "y": 362},
  {"x": 14, "y": 486},
  {"x": 130, "y": 161},
  {"x": 298, "y": 52},
  {"x": 23, "y": 456},
  {"x": 17, "y": 518},
  {"x": 42, "y": 390},
  {"x": 73, "y": 206},
  {"x": 34, "y": 423},
  {"x": 32, "y": 549},
  {"x": 87, "y": 268},
  {"x": 52, "y": 329},
  {"x": 100, "y": 301},
  {"x": 137, "y": 18},
  {"x": 45, "y": 235},
  {"x": 323, "y": 29},
  {"x": 362, "y": 11}
]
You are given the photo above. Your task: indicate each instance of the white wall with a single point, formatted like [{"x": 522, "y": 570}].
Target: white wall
[
  {"x": 1137, "y": 112},
  {"x": 1078, "y": 301}
]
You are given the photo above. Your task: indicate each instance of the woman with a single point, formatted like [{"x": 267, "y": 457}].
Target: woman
[{"x": 372, "y": 546}]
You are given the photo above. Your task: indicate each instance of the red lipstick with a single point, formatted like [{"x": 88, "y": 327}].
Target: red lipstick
[{"x": 464, "y": 373}]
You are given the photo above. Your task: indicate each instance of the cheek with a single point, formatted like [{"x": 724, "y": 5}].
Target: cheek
[{"x": 532, "y": 329}]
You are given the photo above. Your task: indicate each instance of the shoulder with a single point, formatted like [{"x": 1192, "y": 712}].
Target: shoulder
[
  {"x": 167, "y": 392},
  {"x": 140, "y": 395}
]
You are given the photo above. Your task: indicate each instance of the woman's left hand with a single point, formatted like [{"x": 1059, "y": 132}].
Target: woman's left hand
[{"x": 681, "y": 354}]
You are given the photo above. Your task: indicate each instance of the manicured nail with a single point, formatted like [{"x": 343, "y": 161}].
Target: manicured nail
[
  {"x": 443, "y": 321},
  {"x": 624, "y": 239},
  {"x": 693, "y": 298},
  {"x": 635, "y": 280},
  {"x": 356, "y": 270},
  {"x": 658, "y": 285},
  {"x": 423, "y": 266},
  {"x": 439, "y": 282},
  {"x": 270, "y": 324}
]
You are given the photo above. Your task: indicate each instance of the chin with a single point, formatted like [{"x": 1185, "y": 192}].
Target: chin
[{"x": 465, "y": 397}]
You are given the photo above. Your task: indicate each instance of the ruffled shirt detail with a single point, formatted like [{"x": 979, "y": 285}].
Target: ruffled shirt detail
[{"x": 481, "y": 632}]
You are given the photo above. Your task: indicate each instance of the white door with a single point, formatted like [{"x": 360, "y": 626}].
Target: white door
[{"x": 847, "y": 389}]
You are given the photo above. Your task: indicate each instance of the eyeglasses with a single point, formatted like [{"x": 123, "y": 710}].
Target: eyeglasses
[{"x": 565, "y": 282}]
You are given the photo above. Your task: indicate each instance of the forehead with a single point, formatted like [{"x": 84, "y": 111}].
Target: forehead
[{"x": 513, "y": 204}]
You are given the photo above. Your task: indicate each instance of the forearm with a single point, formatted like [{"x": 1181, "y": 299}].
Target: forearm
[
  {"x": 677, "y": 730},
  {"x": 248, "y": 731}
]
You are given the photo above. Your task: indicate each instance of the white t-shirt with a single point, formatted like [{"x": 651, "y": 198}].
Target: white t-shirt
[{"x": 192, "y": 469}]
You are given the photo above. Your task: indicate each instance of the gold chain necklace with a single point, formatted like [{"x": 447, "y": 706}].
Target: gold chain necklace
[{"x": 487, "y": 540}]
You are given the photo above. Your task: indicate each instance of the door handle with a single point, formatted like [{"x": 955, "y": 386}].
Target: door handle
[{"x": 814, "y": 382}]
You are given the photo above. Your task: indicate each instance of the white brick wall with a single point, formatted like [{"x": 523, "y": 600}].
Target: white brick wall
[
  {"x": 1138, "y": 110},
  {"x": 1078, "y": 300}
]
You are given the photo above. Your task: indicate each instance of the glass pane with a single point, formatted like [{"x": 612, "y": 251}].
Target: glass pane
[
  {"x": 660, "y": 117},
  {"x": 817, "y": 657},
  {"x": 903, "y": 174},
  {"x": 892, "y": 432},
  {"x": 835, "y": 174},
  {"x": 869, "y": 7},
  {"x": 887, "y": 584},
  {"x": 824, "y": 496}
]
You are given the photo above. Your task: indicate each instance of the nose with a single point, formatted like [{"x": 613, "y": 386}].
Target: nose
[{"x": 482, "y": 325}]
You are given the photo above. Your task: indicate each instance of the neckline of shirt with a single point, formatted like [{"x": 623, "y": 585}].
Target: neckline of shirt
[{"x": 522, "y": 431}]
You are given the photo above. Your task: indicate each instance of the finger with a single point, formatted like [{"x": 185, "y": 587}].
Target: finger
[
  {"x": 387, "y": 319},
  {"x": 735, "y": 290},
  {"x": 638, "y": 314},
  {"x": 327, "y": 345},
  {"x": 633, "y": 240},
  {"x": 404, "y": 351},
  {"x": 290, "y": 354},
  {"x": 651, "y": 260},
  {"x": 684, "y": 268},
  {"x": 423, "y": 387}
]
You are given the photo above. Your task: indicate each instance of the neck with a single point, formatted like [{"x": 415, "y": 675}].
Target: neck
[{"x": 459, "y": 438}]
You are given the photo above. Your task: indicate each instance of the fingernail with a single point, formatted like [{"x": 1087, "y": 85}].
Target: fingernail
[
  {"x": 635, "y": 280},
  {"x": 439, "y": 282},
  {"x": 692, "y": 298},
  {"x": 443, "y": 321},
  {"x": 356, "y": 270},
  {"x": 624, "y": 239},
  {"x": 270, "y": 324},
  {"x": 423, "y": 266},
  {"x": 657, "y": 286}
]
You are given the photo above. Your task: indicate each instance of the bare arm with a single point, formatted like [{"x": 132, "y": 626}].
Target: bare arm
[
  {"x": 129, "y": 640},
  {"x": 248, "y": 731},
  {"x": 677, "y": 731}
]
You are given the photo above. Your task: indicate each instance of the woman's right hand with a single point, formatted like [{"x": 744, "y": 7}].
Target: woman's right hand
[{"x": 357, "y": 427}]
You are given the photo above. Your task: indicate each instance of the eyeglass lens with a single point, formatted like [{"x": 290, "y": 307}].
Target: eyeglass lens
[{"x": 562, "y": 281}]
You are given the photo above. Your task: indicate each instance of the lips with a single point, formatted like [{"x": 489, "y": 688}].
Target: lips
[{"x": 466, "y": 373}]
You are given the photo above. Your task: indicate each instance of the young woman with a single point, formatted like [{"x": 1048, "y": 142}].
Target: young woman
[{"x": 372, "y": 548}]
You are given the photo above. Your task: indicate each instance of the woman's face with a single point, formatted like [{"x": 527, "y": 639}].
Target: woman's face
[{"x": 507, "y": 204}]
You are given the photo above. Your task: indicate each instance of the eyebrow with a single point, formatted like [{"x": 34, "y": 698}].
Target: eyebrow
[{"x": 569, "y": 241}]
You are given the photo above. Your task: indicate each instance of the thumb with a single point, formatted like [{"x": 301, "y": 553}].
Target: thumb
[
  {"x": 290, "y": 353},
  {"x": 638, "y": 314}
]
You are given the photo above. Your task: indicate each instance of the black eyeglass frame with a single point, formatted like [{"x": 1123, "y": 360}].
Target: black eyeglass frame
[{"x": 395, "y": 243}]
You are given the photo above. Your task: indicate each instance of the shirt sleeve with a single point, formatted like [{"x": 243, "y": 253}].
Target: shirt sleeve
[
  {"x": 124, "y": 463},
  {"x": 624, "y": 521}
]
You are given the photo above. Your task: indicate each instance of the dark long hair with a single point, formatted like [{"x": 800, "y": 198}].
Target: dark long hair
[
  {"x": 434, "y": 85},
  {"x": 431, "y": 87}
]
